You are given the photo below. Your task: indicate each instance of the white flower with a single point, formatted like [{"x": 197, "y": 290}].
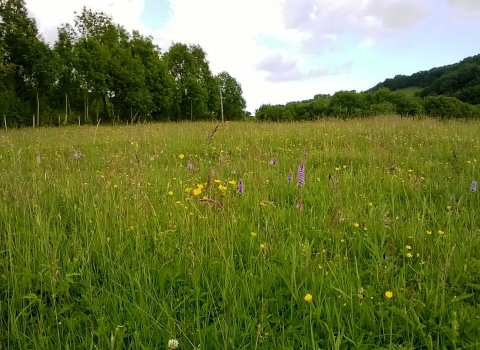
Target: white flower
[{"x": 173, "y": 344}]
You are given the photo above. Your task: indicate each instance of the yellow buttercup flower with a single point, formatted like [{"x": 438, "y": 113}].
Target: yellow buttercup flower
[
  {"x": 254, "y": 234},
  {"x": 308, "y": 298},
  {"x": 356, "y": 225},
  {"x": 221, "y": 187},
  {"x": 181, "y": 156},
  {"x": 409, "y": 255},
  {"x": 262, "y": 246},
  {"x": 170, "y": 193},
  {"x": 197, "y": 191},
  {"x": 389, "y": 294}
]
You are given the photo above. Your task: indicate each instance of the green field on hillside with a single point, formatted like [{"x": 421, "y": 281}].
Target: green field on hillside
[
  {"x": 142, "y": 236},
  {"x": 410, "y": 91}
]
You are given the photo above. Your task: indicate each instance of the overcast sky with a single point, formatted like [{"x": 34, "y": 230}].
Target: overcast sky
[{"x": 290, "y": 50}]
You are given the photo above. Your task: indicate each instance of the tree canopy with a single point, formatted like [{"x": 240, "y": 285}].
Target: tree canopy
[
  {"x": 97, "y": 70},
  {"x": 460, "y": 80}
]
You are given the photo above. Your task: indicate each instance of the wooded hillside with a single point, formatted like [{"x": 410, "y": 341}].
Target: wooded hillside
[{"x": 460, "y": 80}]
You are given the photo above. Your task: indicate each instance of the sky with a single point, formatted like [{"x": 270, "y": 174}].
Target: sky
[{"x": 290, "y": 50}]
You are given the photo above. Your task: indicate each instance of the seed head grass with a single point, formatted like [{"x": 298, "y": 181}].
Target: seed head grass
[{"x": 144, "y": 241}]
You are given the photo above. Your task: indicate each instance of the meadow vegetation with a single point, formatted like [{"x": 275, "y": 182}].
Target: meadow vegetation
[{"x": 136, "y": 237}]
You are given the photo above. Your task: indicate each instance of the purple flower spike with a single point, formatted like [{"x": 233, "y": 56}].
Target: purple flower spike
[
  {"x": 77, "y": 155},
  {"x": 301, "y": 174},
  {"x": 289, "y": 177},
  {"x": 300, "y": 204},
  {"x": 190, "y": 165},
  {"x": 274, "y": 161},
  {"x": 240, "y": 187},
  {"x": 473, "y": 186}
]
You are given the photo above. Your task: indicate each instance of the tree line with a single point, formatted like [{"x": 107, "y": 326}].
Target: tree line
[
  {"x": 460, "y": 80},
  {"x": 96, "y": 70},
  {"x": 350, "y": 104}
]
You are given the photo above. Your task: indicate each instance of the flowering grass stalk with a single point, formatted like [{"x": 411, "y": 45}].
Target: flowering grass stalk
[{"x": 140, "y": 253}]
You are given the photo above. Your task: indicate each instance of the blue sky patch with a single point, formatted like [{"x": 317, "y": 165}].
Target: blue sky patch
[{"x": 156, "y": 13}]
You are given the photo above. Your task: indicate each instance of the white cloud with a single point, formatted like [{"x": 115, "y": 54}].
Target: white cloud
[
  {"x": 465, "y": 8},
  {"x": 287, "y": 50},
  {"x": 52, "y": 13}
]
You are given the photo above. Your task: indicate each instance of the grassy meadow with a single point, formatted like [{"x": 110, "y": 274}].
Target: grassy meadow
[{"x": 135, "y": 237}]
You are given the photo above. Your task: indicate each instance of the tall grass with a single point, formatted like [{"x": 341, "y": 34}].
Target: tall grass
[{"x": 117, "y": 249}]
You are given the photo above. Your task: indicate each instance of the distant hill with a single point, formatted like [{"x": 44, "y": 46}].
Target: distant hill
[{"x": 460, "y": 80}]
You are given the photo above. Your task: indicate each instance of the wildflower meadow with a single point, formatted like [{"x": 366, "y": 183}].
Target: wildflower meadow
[{"x": 358, "y": 234}]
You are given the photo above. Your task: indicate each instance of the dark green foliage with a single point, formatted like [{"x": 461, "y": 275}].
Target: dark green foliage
[
  {"x": 96, "y": 71},
  {"x": 349, "y": 104},
  {"x": 460, "y": 80},
  {"x": 233, "y": 102}
]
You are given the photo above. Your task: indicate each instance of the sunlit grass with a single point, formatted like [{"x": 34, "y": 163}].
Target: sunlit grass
[{"x": 142, "y": 237}]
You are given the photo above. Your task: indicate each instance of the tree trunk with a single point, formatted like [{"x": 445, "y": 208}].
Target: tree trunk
[
  {"x": 66, "y": 109},
  {"x": 38, "y": 110},
  {"x": 86, "y": 117},
  {"x": 221, "y": 104}
]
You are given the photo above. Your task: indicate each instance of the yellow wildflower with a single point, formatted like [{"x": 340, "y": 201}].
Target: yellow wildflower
[
  {"x": 170, "y": 193},
  {"x": 221, "y": 187},
  {"x": 409, "y": 255},
  {"x": 389, "y": 294},
  {"x": 356, "y": 225},
  {"x": 308, "y": 298},
  {"x": 197, "y": 191},
  {"x": 181, "y": 156},
  {"x": 254, "y": 234},
  {"x": 262, "y": 246}
]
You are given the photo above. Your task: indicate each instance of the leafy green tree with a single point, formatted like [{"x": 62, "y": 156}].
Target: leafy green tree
[
  {"x": 196, "y": 93},
  {"x": 159, "y": 83},
  {"x": 25, "y": 51},
  {"x": 347, "y": 104},
  {"x": 233, "y": 102}
]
